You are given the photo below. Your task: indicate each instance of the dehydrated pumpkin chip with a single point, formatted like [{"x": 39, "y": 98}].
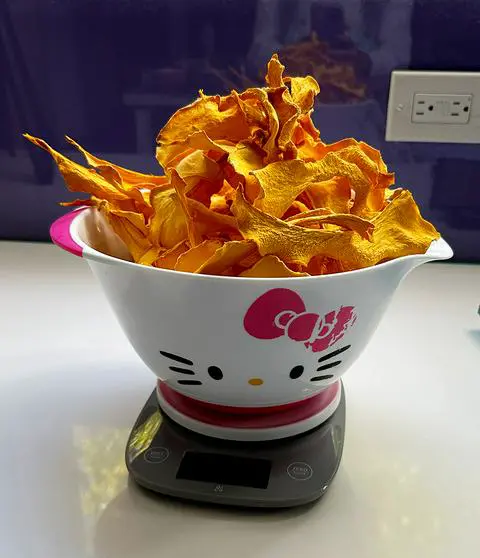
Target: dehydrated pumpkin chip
[
  {"x": 130, "y": 227},
  {"x": 192, "y": 260},
  {"x": 219, "y": 117},
  {"x": 271, "y": 266},
  {"x": 169, "y": 258},
  {"x": 228, "y": 255},
  {"x": 168, "y": 224},
  {"x": 127, "y": 177},
  {"x": 81, "y": 179},
  {"x": 274, "y": 236}
]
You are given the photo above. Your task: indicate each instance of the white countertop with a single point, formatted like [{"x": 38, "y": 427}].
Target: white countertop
[{"x": 71, "y": 387}]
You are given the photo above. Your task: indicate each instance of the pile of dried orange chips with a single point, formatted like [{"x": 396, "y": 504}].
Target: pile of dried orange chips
[{"x": 250, "y": 190}]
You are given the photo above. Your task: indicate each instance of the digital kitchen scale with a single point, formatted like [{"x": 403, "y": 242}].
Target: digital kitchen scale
[{"x": 169, "y": 459}]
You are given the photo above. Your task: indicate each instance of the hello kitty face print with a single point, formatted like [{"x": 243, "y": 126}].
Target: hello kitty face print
[
  {"x": 307, "y": 338},
  {"x": 282, "y": 312}
]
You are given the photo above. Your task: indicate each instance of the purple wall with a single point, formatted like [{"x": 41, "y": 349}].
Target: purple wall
[{"x": 109, "y": 72}]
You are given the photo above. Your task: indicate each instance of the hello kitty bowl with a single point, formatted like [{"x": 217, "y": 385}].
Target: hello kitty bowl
[{"x": 242, "y": 342}]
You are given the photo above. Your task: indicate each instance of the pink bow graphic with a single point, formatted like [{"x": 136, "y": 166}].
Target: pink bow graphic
[{"x": 282, "y": 312}]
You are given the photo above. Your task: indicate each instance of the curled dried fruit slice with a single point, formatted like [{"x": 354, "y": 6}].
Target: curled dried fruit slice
[
  {"x": 197, "y": 166},
  {"x": 202, "y": 175},
  {"x": 220, "y": 118},
  {"x": 281, "y": 183},
  {"x": 201, "y": 220},
  {"x": 273, "y": 236},
  {"x": 308, "y": 213},
  {"x": 151, "y": 255},
  {"x": 288, "y": 114},
  {"x": 346, "y": 221},
  {"x": 130, "y": 227},
  {"x": 168, "y": 224},
  {"x": 168, "y": 259},
  {"x": 275, "y": 69},
  {"x": 241, "y": 162},
  {"x": 334, "y": 194},
  {"x": 295, "y": 209},
  {"x": 271, "y": 266},
  {"x": 99, "y": 235},
  {"x": 399, "y": 231},
  {"x": 81, "y": 179},
  {"x": 206, "y": 222},
  {"x": 127, "y": 177},
  {"x": 193, "y": 259},
  {"x": 303, "y": 91},
  {"x": 264, "y": 136},
  {"x": 228, "y": 255}
]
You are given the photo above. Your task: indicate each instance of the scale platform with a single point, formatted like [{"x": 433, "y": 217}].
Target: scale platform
[{"x": 169, "y": 459}]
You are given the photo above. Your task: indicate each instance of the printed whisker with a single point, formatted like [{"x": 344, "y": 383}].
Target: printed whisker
[
  {"x": 320, "y": 378},
  {"x": 181, "y": 359},
  {"x": 329, "y": 365},
  {"x": 189, "y": 382},
  {"x": 182, "y": 370},
  {"x": 334, "y": 353}
]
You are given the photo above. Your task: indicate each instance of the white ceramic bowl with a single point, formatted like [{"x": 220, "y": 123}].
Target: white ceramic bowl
[{"x": 243, "y": 342}]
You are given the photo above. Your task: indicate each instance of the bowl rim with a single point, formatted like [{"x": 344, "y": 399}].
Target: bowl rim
[{"x": 439, "y": 249}]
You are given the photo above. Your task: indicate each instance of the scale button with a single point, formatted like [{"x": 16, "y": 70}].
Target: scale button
[
  {"x": 156, "y": 455},
  {"x": 299, "y": 471}
]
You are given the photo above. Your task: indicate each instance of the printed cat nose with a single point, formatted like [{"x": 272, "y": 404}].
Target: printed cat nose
[{"x": 255, "y": 381}]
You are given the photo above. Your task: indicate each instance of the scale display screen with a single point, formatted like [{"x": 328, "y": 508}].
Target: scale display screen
[{"x": 224, "y": 469}]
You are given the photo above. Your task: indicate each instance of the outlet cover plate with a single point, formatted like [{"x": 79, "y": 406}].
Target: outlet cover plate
[{"x": 407, "y": 87}]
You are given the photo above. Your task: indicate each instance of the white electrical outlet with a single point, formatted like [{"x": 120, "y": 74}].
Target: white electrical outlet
[
  {"x": 441, "y": 109},
  {"x": 434, "y": 107}
]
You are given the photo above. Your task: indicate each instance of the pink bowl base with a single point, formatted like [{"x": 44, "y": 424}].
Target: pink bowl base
[{"x": 248, "y": 417}]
